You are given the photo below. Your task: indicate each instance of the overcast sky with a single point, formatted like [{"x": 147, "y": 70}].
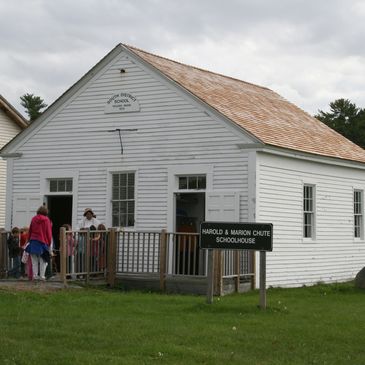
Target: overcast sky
[{"x": 309, "y": 51}]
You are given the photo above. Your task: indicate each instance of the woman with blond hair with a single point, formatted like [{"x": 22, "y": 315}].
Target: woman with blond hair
[{"x": 40, "y": 238}]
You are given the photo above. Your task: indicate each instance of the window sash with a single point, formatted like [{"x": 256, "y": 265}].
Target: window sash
[
  {"x": 308, "y": 211},
  {"x": 123, "y": 201},
  {"x": 358, "y": 213},
  {"x": 192, "y": 182},
  {"x": 60, "y": 185}
]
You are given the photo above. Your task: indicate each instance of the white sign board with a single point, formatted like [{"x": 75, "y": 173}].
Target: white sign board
[{"x": 121, "y": 102}]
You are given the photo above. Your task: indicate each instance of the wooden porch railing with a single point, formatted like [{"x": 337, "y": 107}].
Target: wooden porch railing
[{"x": 87, "y": 255}]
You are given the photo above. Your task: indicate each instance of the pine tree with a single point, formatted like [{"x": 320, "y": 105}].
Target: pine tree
[{"x": 33, "y": 105}]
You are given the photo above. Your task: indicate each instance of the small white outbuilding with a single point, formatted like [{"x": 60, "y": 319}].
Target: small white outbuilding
[
  {"x": 11, "y": 123},
  {"x": 149, "y": 143}
]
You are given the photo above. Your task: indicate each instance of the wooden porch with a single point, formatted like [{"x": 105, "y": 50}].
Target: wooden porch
[{"x": 159, "y": 260}]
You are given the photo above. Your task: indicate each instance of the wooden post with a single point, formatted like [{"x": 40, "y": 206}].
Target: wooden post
[
  {"x": 263, "y": 279},
  {"x": 87, "y": 257},
  {"x": 2, "y": 254},
  {"x": 210, "y": 276},
  {"x": 253, "y": 265},
  {"x": 237, "y": 269},
  {"x": 112, "y": 257},
  {"x": 218, "y": 272},
  {"x": 163, "y": 259},
  {"x": 63, "y": 255}
]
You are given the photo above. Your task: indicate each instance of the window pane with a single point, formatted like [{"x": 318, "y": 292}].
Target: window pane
[
  {"x": 201, "y": 182},
  {"x": 115, "y": 194},
  {"x": 123, "y": 180},
  {"x": 130, "y": 221},
  {"x": 69, "y": 185},
  {"x": 183, "y": 182},
  {"x": 123, "y": 207},
  {"x": 123, "y": 193},
  {"x": 115, "y": 180},
  {"x": 123, "y": 220},
  {"x": 130, "y": 192},
  {"x": 192, "y": 182},
  {"x": 130, "y": 179},
  {"x": 130, "y": 207},
  {"x": 115, "y": 214},
  {"x": 61, "y": 185},
  {"x": 53, "y": 186}
]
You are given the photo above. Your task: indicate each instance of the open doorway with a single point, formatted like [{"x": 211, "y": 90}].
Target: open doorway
[
  {"x": 190, "y": 212},
  {"x": 60, "y": 212}
]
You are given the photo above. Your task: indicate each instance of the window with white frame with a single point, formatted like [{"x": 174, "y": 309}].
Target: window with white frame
[
  {"x": 192, "y": 182},
  {"x": 308, "y": 211},
  {"x": 123, "y": 200},
  {"x": 358, "y": 213},
  {"x": 60, "y": 185}
]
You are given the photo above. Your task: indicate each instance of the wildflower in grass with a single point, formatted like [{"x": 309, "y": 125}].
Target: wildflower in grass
[{"x": 234, "y": 328}]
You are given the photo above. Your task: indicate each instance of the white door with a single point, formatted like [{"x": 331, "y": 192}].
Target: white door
[
  {"x": 24, "y": 208},
  {"x": 222, "y": 206}
]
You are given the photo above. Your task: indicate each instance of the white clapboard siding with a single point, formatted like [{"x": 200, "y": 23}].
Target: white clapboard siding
[
  {"x": 8, "y": 130},
  {"x": 171, "y": 131},
  {"x": 333, "y": 255}
]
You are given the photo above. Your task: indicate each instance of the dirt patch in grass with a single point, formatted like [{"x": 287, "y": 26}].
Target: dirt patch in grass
[{"x": 35, "y": 286}]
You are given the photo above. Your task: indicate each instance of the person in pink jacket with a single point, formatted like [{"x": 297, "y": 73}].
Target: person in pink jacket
[{"x": 40, "y": 238}]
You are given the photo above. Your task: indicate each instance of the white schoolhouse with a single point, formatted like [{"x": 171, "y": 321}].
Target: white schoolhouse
[{"x": 149, "y": 143}]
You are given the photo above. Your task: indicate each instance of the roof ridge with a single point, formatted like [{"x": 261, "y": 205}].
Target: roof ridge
[{"x": 194, "y": 67}]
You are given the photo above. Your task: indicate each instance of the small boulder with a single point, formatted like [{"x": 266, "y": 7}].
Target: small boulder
[{"x": 360, "y": 279}]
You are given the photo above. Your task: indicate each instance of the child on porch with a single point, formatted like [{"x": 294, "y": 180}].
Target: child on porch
[
  {"x": 26, "y": 268},
  {"x": 14, "y": 252},
  {"x": 70, "y": 250}
]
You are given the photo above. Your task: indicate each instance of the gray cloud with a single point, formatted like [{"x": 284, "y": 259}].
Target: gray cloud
[{"x": 308, "y": 51}]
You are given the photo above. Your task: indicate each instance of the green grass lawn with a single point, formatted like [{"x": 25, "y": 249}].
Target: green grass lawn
[{"x": 312, "y": 325}]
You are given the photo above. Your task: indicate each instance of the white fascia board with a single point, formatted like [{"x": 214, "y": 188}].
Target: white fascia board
[
  {"x": 192, "y": 98},
  {"x": 66, "y": 97},
  {"x": 308, "y": 157}
]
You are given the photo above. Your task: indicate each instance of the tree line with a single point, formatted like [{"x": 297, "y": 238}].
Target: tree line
[{"x": 347, "y": 119}]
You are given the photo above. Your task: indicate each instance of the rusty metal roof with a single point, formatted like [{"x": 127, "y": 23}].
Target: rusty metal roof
[{"x": 258, "y": 110}]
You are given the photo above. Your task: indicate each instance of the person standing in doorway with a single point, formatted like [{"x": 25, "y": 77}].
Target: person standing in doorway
[{"x": 40, "y": 238}]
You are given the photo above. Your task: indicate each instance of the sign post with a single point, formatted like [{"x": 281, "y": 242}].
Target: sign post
[
  {"x": 237, "y": 236},
  {"x": 210, "y": 276},
  {"x": 263, "y": 279}
]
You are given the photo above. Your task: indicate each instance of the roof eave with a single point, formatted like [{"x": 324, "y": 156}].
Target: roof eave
[
  {"x": 266, "y": 148},
  {"x": 13, "y": 113}
]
